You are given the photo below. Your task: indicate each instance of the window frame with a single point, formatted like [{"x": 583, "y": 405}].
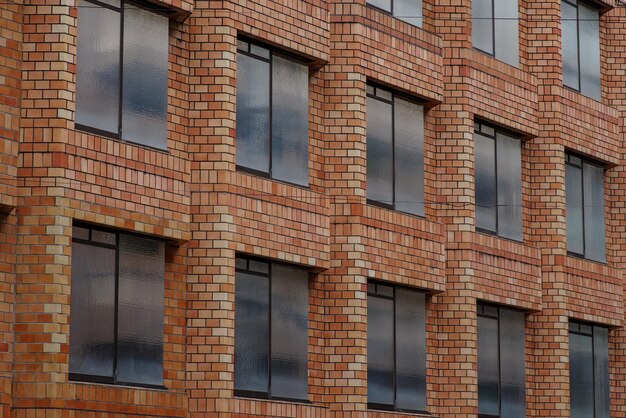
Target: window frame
[
  {"x": 288, "y": 56},
  {"x": 87, "y": 378},
  {"x": 372, "y": 93},
  {"x": 492, "y": 311},
  {"x": 478, "y": 129},
  {"x": 494, "y": 36},
  {"x": 118, "y": 135},
  {"x": 581, "y": 166},
  {"x": 391, "y": 13},
  {"x": 372, "y": 291},
  {"x": 252, "y": 394}
]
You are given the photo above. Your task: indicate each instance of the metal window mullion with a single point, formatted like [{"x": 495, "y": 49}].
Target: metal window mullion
[
  {"x": 116, "y": 319},
  {"x": 499, "y": 367},
  {"x": 593, "y": 366},
  {"x": 580, "y": 86},
  {"x": 271, "y": 110},
  {"x": 393, "y": 170},
  {"x": 582, "y": 192},
  {"x": 121, "y": 85},
  {"x": 269, "y": 331},
  {"x": 495, "y": 163},
  {"x": 493, "y": 27},
  {"x": 395, "y": 349}
]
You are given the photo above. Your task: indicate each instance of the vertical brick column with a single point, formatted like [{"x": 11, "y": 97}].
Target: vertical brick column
[
  {"x": 211, "y": 258},
  {"x": 346, "y": 280}
]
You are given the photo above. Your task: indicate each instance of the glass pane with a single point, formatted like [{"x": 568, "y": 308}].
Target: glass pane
[
  {"x": 488, "y": 366},
  {"x": 509, "y": 176},
  {"x": 80, "y": 233},
  {"x": 512, "y": 364},
  {"x": 574, "y": 209},
  {"x": 144, "y": 100},
  {"x": 379, "y": 151},
  {"x": 290, "y": 121},
  {"x": 507, "y": 31},
  {"x": 569, "y": 41},
  {"x": 593, "y": 177},
  {"x": 589, "y": 26},
  {"x": 98, "y": 67},
  {"x": 581, "y": 376},
  {"x": 381, "y": 4},
  {"x": 103, "y": 237},
  {"x": 409, "y": 11},
  {"x": 289, "y": 328},
  {"x": 379, "y": 347},
  {"x": 92, "y": 315},
  {"x": 410, "y": 350},
  {"x": 253, "y": 113},
  {"x": 485, "y": 168},
  {"x": 140, "y": 310},
  {"x": 482, "y": 25},
  {"x": 252, "y": 319},
  {"x": 601, "y": 371},
  {"x": 409, "y": 156}
]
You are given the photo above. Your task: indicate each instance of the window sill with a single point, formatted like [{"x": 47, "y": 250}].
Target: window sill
[
  {"x": 257, "y": 396},
  {"x": 582, "y": 257},
  {"x": 391, "y": 410},
  {"x": 154, "y": 388},
  {"x": 110, "y": 135},
  {"x": 267, "y": 176},
  {"x": 495, "y": 235},
  {"x": 386, "y": 206}
]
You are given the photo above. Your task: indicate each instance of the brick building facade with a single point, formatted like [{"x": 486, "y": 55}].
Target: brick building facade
[{"x": 59, "y": 180}]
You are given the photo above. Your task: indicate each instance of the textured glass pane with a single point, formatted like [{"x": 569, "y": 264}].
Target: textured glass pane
[
  {"x": 260, "y": 51},
  {"x": 409, "y": 11},
  {"x": 252, "y": 332},
  {"x": 507, "y": 31},
  {"x": 485, "y": 168},
  {"x": 409, "y": 156},
  {"x": 593, "y": 177},
  {"x": 410, "y": 350},
  {"x": 512, "y": 364},
  {"x": 259, "y": 266},
  {"x": 379, "y": 348},
  {"x": 601, "y": 371},
  {"x": 382, "y": 4},
  {"x": 103, "y": 237},
  {"x": 289, "y": 328},
  {"x": 144, "y": 100},
  {"x": 589, "y": 27},
  {"x": 253, "y": 113},
  {"x": 290, "y": 121},
  {"x": 98, "y": 67},
  {"x": 569, "y": 41},
  {"x": 80, "y": 233},
  {"x": 379, "y": 151},
  {"x": 574, "y": 209},
  {"x": 482, "y": 25},
  {"x": 140, "y": 310},
  {"x": 488, "y": 366},
  {"x": 581, "y": 376},
  {"x": 509, "y": 169},
  {"x": 92, "y": 314}
]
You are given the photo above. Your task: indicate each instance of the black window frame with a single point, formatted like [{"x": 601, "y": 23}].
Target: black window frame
[
  {"x": 589, "y": 329},
  {"x": 479, "y": 126},
  {"x": 492, "y": 311},
  {"x": 493, "y": 19},
  {"x": 593, "y": 5},
  {"x": 87, "y": 378},
  {"x": 118, "y": 135},
  {"x": 372, "y": 93},
  {"x": 249, "y": 42},
  {"x": 268, "y": 395},
  {"x": 570, "y": 160},
  {"x": 374, "y": 290}
]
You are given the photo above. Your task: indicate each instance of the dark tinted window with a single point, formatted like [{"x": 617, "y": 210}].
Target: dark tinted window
[
  {"x": 584, "y": 193},
  {"x": 495, "y": 29},
  {"x": 396, "y": 348},
  {"x": 271, "y": 330},
  {"x": 408, "y": 10},
  {"x": 589, "y": 371},
  {"x": 501, "y": 362},
  {"x": 102, "y": 62},
  {"x": 116, "y": 318},
  {"x": 272, "y": 114},
  {"x": 395, "y": 151},
  {"x": 580, "y": 34},
  {"x": 498, "y": 182}
]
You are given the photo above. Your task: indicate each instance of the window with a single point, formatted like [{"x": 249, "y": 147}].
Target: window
[
  {"x": 495, "y": 29},
  {"x": 580, "y": 37},
  {"x": 498, "y": 168},
  {"x": 395, "y": 151},
  {"x": 408, "y": 10},
  {"x": 584, "y": 193},
  {"x": 501, "y": 362},
  {"x": 116, "y": 317},
  {"x": 271, "y": 330},
  {"x": 396, "y": 348},
  {"x": 272, "y": 114},
  {"x": 121, "y": 72},
  {"x": 588, "y": 371}
]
